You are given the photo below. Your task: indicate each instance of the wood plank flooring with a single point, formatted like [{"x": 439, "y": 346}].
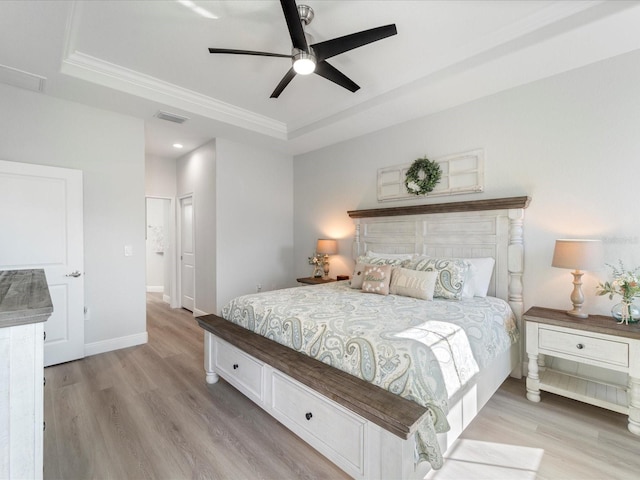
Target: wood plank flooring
[{"x": 146, "y": 412}]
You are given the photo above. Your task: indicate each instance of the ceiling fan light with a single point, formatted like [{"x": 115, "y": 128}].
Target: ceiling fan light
[{"x": 304, "y": 63}]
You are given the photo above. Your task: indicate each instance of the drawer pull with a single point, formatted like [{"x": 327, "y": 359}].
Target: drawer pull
[
  {"x": 579, "y": 346},
  {"x": 235, "y": 366},
  {"x": 308, "y": 415}
]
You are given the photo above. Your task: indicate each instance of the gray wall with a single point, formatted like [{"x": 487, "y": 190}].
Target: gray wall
[
  {"x": 254, "y": 191},
  {"x": 196, "y": 175},
  {"x": 109, "y": 149}
]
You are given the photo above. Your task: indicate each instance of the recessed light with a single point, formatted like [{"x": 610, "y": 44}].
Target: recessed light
[
  {"x": 177, "y": 145},
  {"x": 203, "y": 12}
]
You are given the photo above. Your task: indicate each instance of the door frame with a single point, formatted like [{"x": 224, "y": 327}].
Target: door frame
[
  {"x": 171, "y": 235},
  {"x": 178, "y": 261}
]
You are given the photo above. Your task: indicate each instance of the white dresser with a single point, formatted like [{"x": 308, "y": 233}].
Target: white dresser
[{"x": 24, "y": 305}]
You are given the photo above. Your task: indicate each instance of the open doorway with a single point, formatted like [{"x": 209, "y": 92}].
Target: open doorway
[{"x": 159, "y": 248}]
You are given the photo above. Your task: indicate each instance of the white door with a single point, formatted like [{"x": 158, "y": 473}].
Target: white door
[
  {"x": 187, "y": 254},
  {"x": 41, "y": 227}
]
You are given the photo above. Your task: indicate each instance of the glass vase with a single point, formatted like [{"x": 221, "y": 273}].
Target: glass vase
[{"x": 626, "y": 312}]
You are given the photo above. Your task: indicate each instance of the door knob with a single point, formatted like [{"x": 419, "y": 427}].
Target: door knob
[{"x": 75, "y": 274}]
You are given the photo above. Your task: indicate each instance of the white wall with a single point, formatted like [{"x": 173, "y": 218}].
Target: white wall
[
  {"x": 109, "y": 149},
  {"x": 160, "y": 177},
  {"x": 570, "y": 142},
  {"x": 196, "y": 175},
  {"x": 254, "y": 191}
]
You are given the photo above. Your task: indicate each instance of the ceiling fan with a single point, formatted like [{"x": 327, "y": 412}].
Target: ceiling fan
[{"x": 310, "y": 57}]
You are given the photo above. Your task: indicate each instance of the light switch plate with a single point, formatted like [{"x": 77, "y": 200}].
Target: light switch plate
[{"x": 128, "y": 250}]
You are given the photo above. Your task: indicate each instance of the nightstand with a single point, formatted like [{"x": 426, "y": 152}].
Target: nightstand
[
  {"x": 315, "y": 280},
  {"x": 596, "y": 340}
]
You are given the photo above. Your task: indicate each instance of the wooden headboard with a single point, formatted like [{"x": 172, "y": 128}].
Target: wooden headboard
[{"x": 482, "y": 228}]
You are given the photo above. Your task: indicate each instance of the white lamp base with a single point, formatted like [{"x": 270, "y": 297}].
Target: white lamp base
[
  {"x": 577, "y": 298},
  {"x": 575, "y": 312}
]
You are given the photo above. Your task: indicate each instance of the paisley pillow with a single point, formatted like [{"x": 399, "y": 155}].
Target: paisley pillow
[
  {"x": 451, "y": 272},
  {"x": 376, "y": 279},
  {"x": 385, "y": 260}
]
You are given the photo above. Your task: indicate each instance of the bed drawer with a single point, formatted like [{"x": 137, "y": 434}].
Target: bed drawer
[
  {"x": 324, "y": 424},
  {"x": 571, "y": 345},
  {"x": 240, "y": 370}
]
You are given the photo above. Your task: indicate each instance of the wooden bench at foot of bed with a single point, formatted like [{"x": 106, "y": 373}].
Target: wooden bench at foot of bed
[
  {"x": 363, "y": 429},
  {"x": 391, "y": 412}
]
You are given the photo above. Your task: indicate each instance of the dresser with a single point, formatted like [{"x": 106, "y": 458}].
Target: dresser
[
  {"x": 597, "y": 341},
  {"x": 24, "y": 305}
]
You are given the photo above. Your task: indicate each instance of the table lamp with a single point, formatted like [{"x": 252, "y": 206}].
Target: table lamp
[
  {"x": 579, "y": 255},
  {"x": 326, "y": 247}
]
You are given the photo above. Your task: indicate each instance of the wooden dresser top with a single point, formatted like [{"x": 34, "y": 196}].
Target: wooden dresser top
[{"x": 24, "y": 297}]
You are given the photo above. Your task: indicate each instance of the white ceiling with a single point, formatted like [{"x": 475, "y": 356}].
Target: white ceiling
[{"x": 139, "y": 57}]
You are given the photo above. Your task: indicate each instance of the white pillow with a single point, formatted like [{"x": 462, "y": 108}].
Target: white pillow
[
  {"x": 478, "y": 277},
  {"x": 413, "y": 283}
]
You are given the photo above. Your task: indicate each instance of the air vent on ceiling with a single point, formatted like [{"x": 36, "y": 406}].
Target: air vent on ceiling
[
  {"x": 21, "y": 79},
  {"x": 171, "y": 117}
]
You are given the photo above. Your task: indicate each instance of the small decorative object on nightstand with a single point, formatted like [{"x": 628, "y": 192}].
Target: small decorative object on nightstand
[
  {"x": 320, "y": 259},
  {"x": 315, "y": 280},
  {"x": 578, "y": 255},
  {"x": 595, "y": 341},
  {"x": 326, "y": 247},
  {"x": 626, "y": 284}
]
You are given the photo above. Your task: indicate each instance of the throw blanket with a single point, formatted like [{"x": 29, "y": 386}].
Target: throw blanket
[{"x": 425, "y": 351}]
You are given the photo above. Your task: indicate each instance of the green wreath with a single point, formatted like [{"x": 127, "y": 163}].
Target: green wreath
[{"x": 422, "y": 176}]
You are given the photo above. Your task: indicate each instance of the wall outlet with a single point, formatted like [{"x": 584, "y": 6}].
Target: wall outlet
[{"x": 258, "y": 287}]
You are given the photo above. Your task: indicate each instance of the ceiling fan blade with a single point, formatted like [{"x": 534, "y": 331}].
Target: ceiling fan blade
[
  {"x": 283, "y": 83},
  {"x": 247, "y": 52},
  {"x": 336, "y": 76},
  {"x": 336, "y": 46},
  {"x": 290, "y": 10}
]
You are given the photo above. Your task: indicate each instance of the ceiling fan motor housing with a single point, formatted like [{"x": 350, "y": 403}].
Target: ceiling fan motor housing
[{"x": 306, "y": 14}]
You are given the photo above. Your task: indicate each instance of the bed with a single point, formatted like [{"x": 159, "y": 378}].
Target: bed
[{"x": 363, "y": 400}]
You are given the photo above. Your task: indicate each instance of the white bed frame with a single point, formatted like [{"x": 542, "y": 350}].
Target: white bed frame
[{"x": 486, "y": 228}]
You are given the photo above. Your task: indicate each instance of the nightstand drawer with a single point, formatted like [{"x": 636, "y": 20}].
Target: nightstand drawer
[{"x": 607, "y": 352}]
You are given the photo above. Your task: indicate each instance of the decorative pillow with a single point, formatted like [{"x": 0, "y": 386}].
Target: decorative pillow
[
  {"x": 358, "y": 275},
  {"x": 390, "y": 256},
  {"x": 412, "y": 283},
  {"x": 376, "y": 279},
  {"x": 452, "y": 273},
  {"x": 395, "y": 261},
  {"x": 478, "y": 277}
]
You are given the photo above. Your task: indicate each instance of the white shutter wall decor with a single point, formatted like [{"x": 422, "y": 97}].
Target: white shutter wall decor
[{"x": 461, "y": 173}]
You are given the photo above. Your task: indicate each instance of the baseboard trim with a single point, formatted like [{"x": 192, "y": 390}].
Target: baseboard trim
[
  {"x": 166, "y": 299},
  {"x": 199, "y": 313},
  {"x": 115, "y": 344},
  {"x": 152, "y": 289}
]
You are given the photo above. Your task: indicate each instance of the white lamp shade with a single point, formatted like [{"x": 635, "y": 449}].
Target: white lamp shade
[
  {"x": 327, "y": 246},
  {"x": 578, "y": 254}
]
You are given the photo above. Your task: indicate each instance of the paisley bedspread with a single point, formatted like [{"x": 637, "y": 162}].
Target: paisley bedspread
[{"x": 425, "y": 351}]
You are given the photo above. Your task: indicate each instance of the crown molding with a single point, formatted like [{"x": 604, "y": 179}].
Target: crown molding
[{"x": 92, "y": 69}]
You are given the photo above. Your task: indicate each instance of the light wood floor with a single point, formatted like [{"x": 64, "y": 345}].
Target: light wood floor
[{"x": 146, "y": 412}]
